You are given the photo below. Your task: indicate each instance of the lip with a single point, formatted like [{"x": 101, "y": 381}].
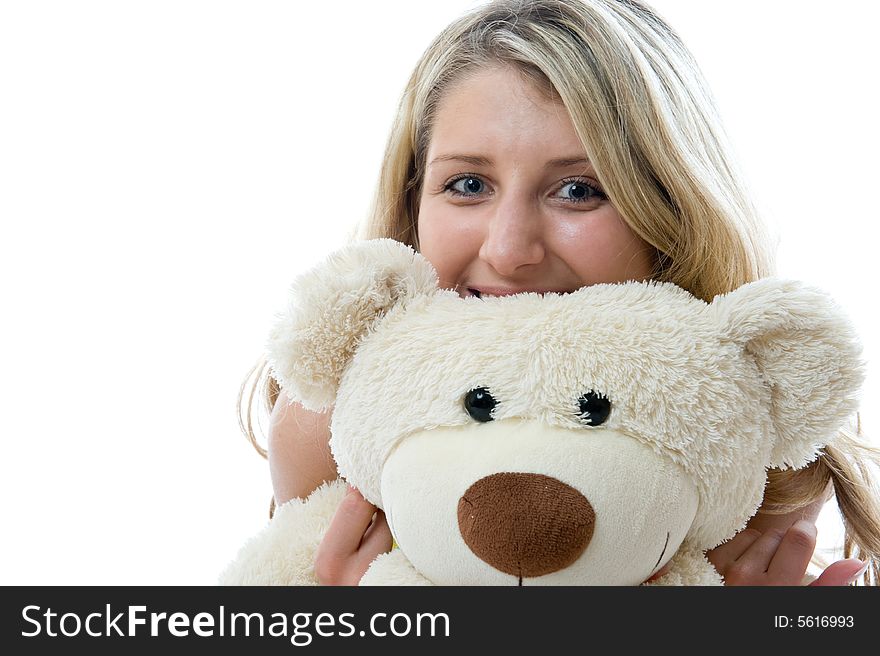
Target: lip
[{"x": 480, "y": 290}]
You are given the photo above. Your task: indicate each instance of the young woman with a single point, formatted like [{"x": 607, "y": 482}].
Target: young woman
[{"x": 544, "y": 145}]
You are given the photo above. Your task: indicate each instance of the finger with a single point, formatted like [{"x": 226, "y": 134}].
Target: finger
[
  {"x": 347, "y": 528},
  {"x": 377, "y": 539},
  {"x": 728, "y": 552},
  {"x": 789, "y": 564},
  {"x": 843, "y": 572},
  {"x": 756, "y": 559}
]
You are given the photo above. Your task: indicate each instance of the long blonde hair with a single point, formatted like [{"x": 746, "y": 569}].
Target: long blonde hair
[{"x": 649, "y": 126}]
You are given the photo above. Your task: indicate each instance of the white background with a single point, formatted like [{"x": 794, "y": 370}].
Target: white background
[{"x": 166, "y": 168}]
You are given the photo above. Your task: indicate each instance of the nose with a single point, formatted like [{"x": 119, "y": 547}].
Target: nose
[
  {"x": 513, "y": 237},
  {"x": 525, "y": 524}
]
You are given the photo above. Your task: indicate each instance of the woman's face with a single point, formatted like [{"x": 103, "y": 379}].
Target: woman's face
[{"x": 510, "y": 203}]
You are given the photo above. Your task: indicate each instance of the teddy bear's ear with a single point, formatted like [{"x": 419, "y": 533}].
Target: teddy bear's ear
[
  {"x": 809, "y": 355},
  {"x": 331, "y": 306}
]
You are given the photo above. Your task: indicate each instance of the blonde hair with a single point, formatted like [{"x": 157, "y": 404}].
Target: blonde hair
[{"x": 649, "y": 126}]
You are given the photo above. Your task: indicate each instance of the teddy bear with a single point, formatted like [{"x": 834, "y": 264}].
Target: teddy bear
[{"x": 585, "y": 438}]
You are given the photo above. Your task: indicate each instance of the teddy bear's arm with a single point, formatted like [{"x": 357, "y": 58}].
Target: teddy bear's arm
[
  {"x": 689, "y": 567},
  {"x": 283, "y": 552},
  {"x": 393, "y": 568}
]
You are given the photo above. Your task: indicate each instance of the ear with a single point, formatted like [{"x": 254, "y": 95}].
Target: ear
[
  {"x": 332, "y": 306},
  {"x": 808, "y": 354}
]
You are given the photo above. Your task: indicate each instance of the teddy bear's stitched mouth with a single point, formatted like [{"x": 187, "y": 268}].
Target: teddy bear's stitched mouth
[
  {"x": 654, "y": 569},
  {"x": 662, "y": 553}
]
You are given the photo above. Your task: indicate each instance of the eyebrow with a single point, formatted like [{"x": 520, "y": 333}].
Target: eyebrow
[{"x": 477, "y": 160}]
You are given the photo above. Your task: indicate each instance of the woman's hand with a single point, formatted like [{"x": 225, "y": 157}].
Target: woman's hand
[
  {"x": 357, "y": 534},
  {"x": 777, "y": 557},
  {"x": 299, "y": 461}
]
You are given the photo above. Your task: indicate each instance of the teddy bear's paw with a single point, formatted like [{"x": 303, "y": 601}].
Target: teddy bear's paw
[
  {"x": 393, "y": 568},
  {"x": 283, "y": 552}
]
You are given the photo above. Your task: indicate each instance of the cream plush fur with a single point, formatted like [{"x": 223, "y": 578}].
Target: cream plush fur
[{"x": 704, "y": 398}]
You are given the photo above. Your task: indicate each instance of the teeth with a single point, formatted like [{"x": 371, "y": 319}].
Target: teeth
[{"x": 478, "y": 294}]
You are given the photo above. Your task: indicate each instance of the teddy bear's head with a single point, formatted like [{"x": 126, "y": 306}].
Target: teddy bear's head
[{"x": 566, "y": 438}]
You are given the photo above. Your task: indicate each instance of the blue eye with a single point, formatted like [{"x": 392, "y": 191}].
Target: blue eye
[
  {"x": 577, "y": 191},
  {"x": 466, "y": 186},
  {"x": 573, "y": 190}
]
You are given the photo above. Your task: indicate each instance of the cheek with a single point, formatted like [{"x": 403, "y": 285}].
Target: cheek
[
  {"x": 448, "y": 240},
  {"x": 604, "y": 249}
]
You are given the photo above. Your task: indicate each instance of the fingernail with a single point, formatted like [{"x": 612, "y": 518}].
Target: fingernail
[{"x": 857, "y": 575}]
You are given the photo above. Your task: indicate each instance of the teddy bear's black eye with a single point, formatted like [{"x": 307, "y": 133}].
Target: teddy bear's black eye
[
  {"x": 479, "y": 404},
  {"x": 595, "y": 408}
]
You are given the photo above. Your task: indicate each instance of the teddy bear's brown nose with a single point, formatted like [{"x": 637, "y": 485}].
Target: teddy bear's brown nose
[{"x": 525, "y": 524}]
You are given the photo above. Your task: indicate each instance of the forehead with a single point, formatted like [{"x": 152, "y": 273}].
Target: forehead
[{"x": 497, "y": 109}]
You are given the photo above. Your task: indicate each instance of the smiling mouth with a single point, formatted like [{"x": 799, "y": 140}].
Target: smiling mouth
[{"x": 497, "y": 294}]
